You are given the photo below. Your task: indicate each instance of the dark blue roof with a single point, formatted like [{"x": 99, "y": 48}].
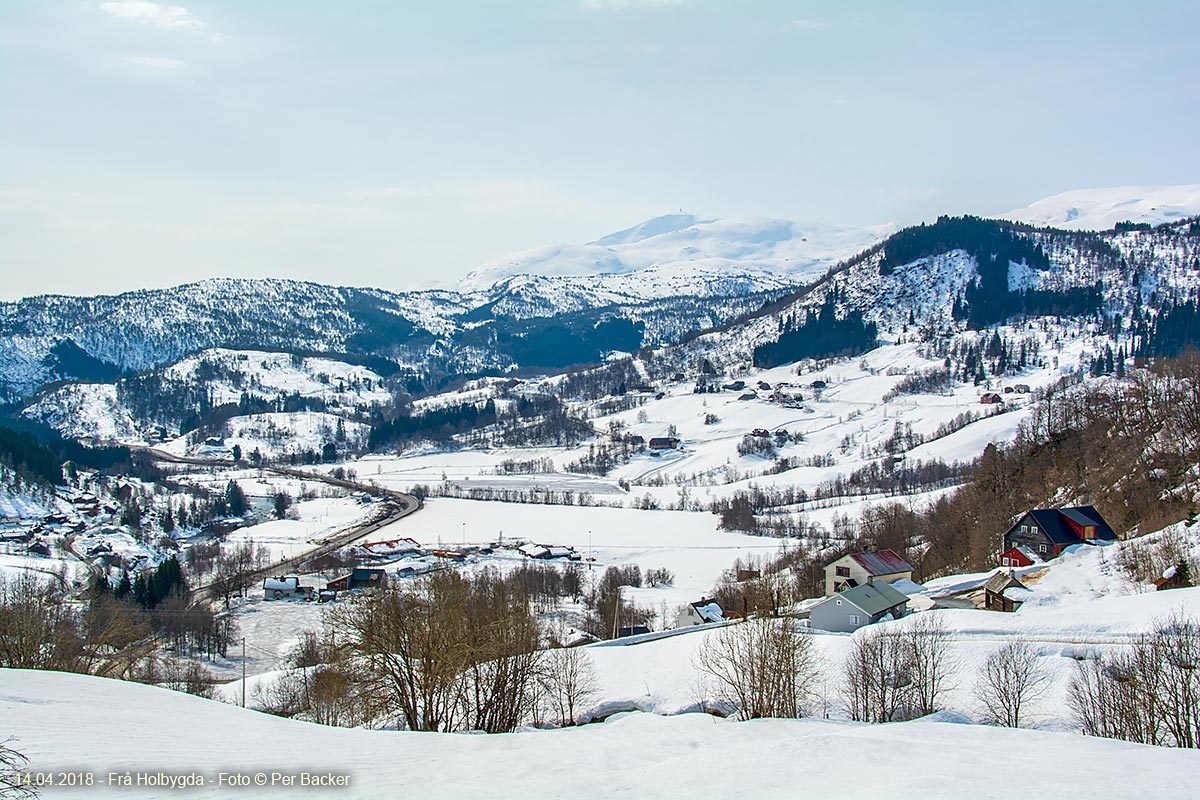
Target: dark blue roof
[
  {"x": 1053, "y": 521},
  {"x": 365, "y": 573}
]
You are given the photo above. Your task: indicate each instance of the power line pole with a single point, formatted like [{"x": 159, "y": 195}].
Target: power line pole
[{"x": 243, "y": 672}]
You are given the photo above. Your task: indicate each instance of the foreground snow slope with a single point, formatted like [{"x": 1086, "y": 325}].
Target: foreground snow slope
[{"x": 78, "y": 722}]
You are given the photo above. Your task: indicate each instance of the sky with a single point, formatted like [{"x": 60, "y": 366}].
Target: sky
[{"x": 400, "y": 144}]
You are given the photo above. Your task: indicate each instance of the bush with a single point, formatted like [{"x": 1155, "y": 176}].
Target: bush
[{"x": 660, "y": 576}]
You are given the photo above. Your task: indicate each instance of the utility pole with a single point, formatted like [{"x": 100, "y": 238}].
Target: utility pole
[
  {"x": 617, "y": 613},
  {"x": 243, "y": 672}
]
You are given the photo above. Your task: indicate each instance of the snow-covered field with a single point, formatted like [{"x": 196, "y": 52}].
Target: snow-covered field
[
  {"x": 67, "y": 723},
  {"x": 687, "y": 543},
  {"x": 314, "y": 519}
]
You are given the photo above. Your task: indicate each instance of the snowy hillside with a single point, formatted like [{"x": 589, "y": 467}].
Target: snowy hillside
[
  {"x": 86, "y": 411},
  {"x": 107, "y": 412},
  {"x": 1101, "y": 209},
  {"x": 228, "y": 373},
  {"x": 690, "y": 248},
  {"x": 918, "y": 297},
  {"x": 276, "y": 435},
  {"x": 55, "y": 717}
]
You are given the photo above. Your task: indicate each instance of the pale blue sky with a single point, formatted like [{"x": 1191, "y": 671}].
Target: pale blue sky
[{"x": 395, "y": 144}]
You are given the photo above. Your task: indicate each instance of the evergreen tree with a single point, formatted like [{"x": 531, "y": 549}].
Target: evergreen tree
[
  {"x": 167, "y": 578},
  {"x": 124, "y": 586},
  {"x": 235, "y": 499},
  {"x": 141, "y": 589}
]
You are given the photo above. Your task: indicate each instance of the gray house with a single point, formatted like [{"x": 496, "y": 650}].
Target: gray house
[{"x": 848, "y": 611}]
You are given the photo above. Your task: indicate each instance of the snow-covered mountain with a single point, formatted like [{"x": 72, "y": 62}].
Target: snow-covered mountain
[
  {"x": 921, "y": 282},
  {"x": 655, "y": 283},
  {"x": 1101, "y": 209},
  {"x": 684, "y": 249},
  {"x": 653, "y": 275}
]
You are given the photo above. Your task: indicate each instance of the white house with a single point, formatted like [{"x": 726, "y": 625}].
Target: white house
[
  {"x": 861, "y": 569},
  {"x": 699, "y": 613}
]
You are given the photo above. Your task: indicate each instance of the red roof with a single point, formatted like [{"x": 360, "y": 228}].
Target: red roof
[{"x": 882, "y": 562}]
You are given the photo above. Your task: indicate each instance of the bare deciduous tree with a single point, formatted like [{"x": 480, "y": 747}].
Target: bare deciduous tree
[
  {"x": 877, "y": 676},
  {"x": 235, "y": 570},
  {"x": 320, "y": 686},
  {"x": 1149, "y": 693},
  {"x": 12, "y": 764},
  {"x": 762, "y": 667},
  {"x": 446, "y": 653},
  {"x": 38, "y": 629},
  {"x": 930, "y": 661},
  {"x": 1011, "y": 681},
  {"x": 568, "y": 683}
]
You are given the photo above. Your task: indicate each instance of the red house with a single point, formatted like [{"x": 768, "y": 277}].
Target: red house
[{"x": 1019, "y": 556}]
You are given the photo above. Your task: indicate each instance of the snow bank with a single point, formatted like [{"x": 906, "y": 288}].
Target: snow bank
[{"x": 62, "y": 722}]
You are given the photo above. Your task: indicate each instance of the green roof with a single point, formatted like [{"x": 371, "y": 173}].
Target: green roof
[{"x": 873, "y": 598}]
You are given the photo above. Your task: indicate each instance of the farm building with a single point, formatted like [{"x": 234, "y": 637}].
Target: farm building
[
  {"x": 1048, "y": 531},
  {"x": 283, "y": 586},
  {"x": 1003, "y": 592},
  {"x": 390, "y": 548},
  {"x": 664, "y": 443},
  {"x": 1176, "y": 577},
  {"x": 546, "y": 551},
  {"x": 358, "y": 578}
]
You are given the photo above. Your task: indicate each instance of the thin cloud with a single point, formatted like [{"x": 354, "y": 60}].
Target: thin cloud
[
  {"x": 806, "y": 25},
  {"x": 624, "y": 5},
  {"x": 156, "y": 63},
  {"x": 156, "y": 15}
]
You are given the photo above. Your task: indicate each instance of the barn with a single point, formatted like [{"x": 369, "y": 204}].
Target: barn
[{"x": 358, "y": 578}]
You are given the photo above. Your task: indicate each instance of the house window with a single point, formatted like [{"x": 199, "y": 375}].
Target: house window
[
  {"x": 854, "y": 619},
  {"x": 842, "y": 572},
  {"x": 839, "y": 602},
  {"x": 1004, "y": 562},
  {"x": 1041, "y": 548}
]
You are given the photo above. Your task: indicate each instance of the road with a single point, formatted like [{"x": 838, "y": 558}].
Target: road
[{"x": 396, "y": 506}]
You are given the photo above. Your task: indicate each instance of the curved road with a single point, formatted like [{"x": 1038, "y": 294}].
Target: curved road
[{"x": 397, "y": 506}]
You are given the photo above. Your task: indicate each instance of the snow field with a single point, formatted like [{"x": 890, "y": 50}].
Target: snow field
[
  {"x": 57, "y": 718},
  {"x": 689, "y": 544}
]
